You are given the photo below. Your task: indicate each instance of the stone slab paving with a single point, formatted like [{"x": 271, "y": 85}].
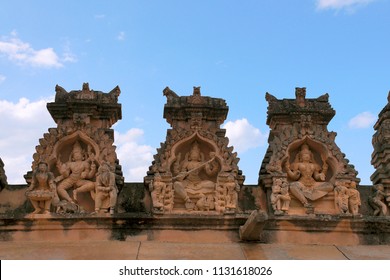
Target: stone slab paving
[
  {"x": 291, "y": 252},
  {"x": 95, "y": 250},
  {"x": 154, "y": 250},
  {"x": 190, "y": 251},
  {"x": 373, "y": 252}
]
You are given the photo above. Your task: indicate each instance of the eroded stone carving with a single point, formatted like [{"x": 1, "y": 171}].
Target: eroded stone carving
[
  {"x": 106, "y": 190},
  {"x": 381, "y": 162},
  {"x": 188, "y": 183},
  {"x": 42, "y": 190},
  {"x": 379, "y": 200},
  {"x": 3, "y": 177},
  {"x": 307, "y": 177},
  {"x": 280, "y": 197},
  {"x": 195, "y": 169},
  {"x": 303, "y": 152},
  {"x": 76, "y": 174},
  {"x": 80, "y": 144}
]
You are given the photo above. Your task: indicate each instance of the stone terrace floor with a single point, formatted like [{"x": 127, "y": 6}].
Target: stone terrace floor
[{"x": 157, "y": 250}]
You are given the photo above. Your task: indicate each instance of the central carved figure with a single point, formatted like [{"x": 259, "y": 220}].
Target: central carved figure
[
  {"x": 188, "y": 183},
  {"x": 75, "y": 173},
  {"x": 308, "y": 177}
]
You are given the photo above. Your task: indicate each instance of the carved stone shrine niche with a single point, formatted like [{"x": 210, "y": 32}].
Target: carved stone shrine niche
[
  {"x": 77, "y": 152},
  {"x": 380, "y": 196},
  {"x": 304, "y": 172},
  {"x": 194, "y": 170}
]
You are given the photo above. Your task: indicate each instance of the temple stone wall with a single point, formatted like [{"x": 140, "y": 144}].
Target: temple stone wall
[{"x": 308, "y": 192}]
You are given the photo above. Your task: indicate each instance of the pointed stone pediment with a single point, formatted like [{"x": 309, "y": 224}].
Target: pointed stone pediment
[
  {"x": 303, "y": 158},
  {"x": 194, "y": 169},
  {"x": 77, "y": 151}
]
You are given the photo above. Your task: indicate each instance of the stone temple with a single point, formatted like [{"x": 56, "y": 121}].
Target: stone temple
[{"x": 307, "y": 193}]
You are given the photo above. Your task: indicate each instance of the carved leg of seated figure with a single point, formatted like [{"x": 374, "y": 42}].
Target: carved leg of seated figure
[
  {"x": 83, "y": 186},
  {"x": 35, "y": 204},
  {"x": 181, "y": 192},
  {"x": 99, "y": 201},
  {"x": 296, "y": 190},
  {"x": 62, "y": 189},
  {"x": 113, "y": 199},
  {"x": 47, "y": 206}
]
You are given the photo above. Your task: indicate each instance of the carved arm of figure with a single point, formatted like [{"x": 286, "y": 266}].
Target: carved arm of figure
[
  {"x": 294, "y": 174},
  {"x": 176, "y": 165},
  {"x": 32, "y": 186},
  {"x": 319, "y": 174},
  {"x": 92, "y": 171},
  {"x": 212, "y": 166},
  {"x": 64, "y": 171}
]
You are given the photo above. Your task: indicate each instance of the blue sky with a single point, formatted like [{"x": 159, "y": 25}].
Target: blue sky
[{"x": 236, "y": 50}]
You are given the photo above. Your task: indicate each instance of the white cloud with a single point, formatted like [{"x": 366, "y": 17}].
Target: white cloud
[
  {"x": 243, "y": 136},
  {"x": 23, "y": 53},
  {"x": 2, "y": 78},
  {"x": 100, "y": 16},
  {"x": 134, "y": 157},
  {"x": 22, "y": 124},
  {"x": 121, "y": 36},
  {"x": 341, "y": 4},
  {"x": 362, "y": 120}
]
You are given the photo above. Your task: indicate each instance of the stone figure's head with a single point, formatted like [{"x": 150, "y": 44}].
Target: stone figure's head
[
  {"x": 77, "y": 152},
  {"x": 104, "y": 167},
  {"x": 42, "y": 166},
  {"x": 195, "y": 152},
  {"x": 305, "y": 155}
]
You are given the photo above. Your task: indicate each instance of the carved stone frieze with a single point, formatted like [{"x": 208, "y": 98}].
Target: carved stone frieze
[
  {"x": 303, "y": 153},
  {"x": 194, "y": 170},
  {"x": 81, "y": 143}
]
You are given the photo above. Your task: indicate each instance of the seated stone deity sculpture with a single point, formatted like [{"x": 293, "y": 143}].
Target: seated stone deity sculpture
[
  {"x": 188, "y": 184},
  {"x": 76, "y": 173},
  {"x": 105, "y": 188},
  {"x": 308, "y": 178},
  {"x": 42, "y": 190}
]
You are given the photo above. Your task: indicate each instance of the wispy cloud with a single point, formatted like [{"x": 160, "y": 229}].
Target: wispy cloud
[
  {"x": 68, "y": 55},
  {"x": 244, "y": 136},
  {"x": 2, "y": 78},
  {"x": 100, "y": 16},
  {"x": 22, "y": 53},
  {"x": 362, "y": 120},
  {"x": 350, "y": 5},
  {"x": 121, "y": 36}
]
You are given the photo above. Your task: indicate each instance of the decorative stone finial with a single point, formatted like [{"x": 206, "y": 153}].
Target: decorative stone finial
[{"x": 300, "y": 94}]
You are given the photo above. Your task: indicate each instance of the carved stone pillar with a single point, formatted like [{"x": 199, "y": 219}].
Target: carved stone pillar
[
  {"x": 304, "y": 171},
  {"x": 79, "y": 145},
  {"x": 380, "y": 199},
  {"x": 194, "y": 170}
]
